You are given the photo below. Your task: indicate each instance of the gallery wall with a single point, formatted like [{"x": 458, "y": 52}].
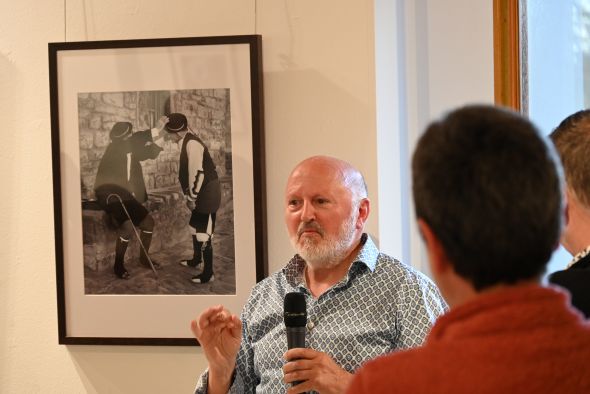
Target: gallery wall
[{"x": 320, "y": 98}]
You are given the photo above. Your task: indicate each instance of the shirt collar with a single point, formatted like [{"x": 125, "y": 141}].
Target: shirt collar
[
  {"x": 368, "y": 253},
  {"x": 579, "y": 256},
  {"x": 294, "y": 270}
]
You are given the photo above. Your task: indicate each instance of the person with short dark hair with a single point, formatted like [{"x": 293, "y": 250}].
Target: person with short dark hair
[
  {"x": 360, "y": 302},
  {"x": 120, "y": 189},
  {"x": 487, "y": 193},
  {"x": 572, "y": 140},
  {"x": 200, "y": 184}
]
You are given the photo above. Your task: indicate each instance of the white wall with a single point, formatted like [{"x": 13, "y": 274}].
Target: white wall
[
  {"x": 319, "y": 98},
  {"x": 454, "y": 66},
  {"x": 431, "y": 56}
]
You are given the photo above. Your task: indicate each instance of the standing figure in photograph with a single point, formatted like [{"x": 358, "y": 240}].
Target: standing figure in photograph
[
  {"x": 200, "y": 184},
  {"x": 120, "y": 189}
]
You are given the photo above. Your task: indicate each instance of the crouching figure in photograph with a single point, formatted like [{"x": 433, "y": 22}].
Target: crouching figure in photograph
[
  {"x": 120, "y": 189},
  {"x": 200, "y": 184}
]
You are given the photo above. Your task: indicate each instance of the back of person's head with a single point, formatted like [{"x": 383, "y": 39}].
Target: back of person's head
[
  {"x": 489, "y": 187},
  {"x": 572, "y": 140}
]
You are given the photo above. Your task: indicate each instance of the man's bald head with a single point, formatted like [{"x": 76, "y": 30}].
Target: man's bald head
[{"x": 350, "y": 177}]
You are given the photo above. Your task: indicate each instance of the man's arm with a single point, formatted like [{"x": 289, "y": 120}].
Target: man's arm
[
  {"x": 195, "y": 152},
  {"x": 158, "y": 131},
  {"x": 244, "y": 378},
  {"x": 143, "y": 144},
  {"x": 219, "y": 333},
  {"x": 421, "y": 305}
]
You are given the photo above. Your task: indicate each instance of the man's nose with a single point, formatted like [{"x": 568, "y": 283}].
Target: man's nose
[{"x": 307, "y": 212}]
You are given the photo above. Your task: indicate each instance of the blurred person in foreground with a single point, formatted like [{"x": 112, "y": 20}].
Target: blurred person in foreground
[
  {"x": 487, "y": 193},
  {"x": 572, "y": 140},
  {"x": 360, "y": 302}
]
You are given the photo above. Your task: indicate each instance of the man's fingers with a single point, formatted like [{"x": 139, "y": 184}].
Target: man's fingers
[
  {"x": 210, "y": 315},
  {"x": 195, "y": 328},
  {"x": 303, "y": 379},
  {"x": 299, "y": 353},
  {"x": 297, "y": 365},
  {"x": 236, "y": 326}
]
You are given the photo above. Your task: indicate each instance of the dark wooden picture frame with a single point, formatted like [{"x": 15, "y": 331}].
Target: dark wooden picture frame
[{"x": 217, "y": 83}]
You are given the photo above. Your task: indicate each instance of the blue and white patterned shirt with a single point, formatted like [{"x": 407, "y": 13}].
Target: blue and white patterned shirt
[{"x": 381, "y": 305}]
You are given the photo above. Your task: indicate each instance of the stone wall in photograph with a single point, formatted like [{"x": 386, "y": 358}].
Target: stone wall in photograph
[
  {"x": 207, "y": 111},
  {"x": 208, "y": 114}
]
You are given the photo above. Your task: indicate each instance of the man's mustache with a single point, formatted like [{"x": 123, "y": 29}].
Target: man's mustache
[{"x": 306, "y": 226}]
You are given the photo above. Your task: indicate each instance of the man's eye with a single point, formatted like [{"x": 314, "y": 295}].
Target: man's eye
[
  {"x": 293, "y": 202},
  {"x": 322, "y": 201}
]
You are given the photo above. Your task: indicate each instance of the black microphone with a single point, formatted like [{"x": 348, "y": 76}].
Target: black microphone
[
  {"x": 295, "y": 319},
  {"x": 295, "y": 316}
]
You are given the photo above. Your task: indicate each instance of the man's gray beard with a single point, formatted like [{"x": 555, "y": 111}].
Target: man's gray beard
[{"x": 327, "y": 252}]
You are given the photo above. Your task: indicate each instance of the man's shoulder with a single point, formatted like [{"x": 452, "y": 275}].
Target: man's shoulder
[
  {"x": 407, "y": 282},
  {"x": 268, "y": 289},
  {"x": 404, "y": 273},
  {"x": 270, "y": 281},
  {"x": 193, "y": 141},
  {"x": 569, "y": 276}
]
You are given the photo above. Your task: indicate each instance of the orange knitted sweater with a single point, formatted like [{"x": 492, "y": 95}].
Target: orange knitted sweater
[{"x": 525, "y": 339}]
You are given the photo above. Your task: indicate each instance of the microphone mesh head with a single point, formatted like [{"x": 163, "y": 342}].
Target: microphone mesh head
[{"x": 295, "y": 313}]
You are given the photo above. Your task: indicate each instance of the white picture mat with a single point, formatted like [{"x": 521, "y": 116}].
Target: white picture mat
[{"x": 145, "y": 69}]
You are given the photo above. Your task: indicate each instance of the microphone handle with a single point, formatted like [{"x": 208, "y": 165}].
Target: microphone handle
[{"x": 295, "y": 337}]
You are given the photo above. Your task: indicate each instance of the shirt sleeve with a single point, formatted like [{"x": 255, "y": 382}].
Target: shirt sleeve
[
  {"x": 156, "y": 137},
  {"x": 421, "y": 305},
  {"x": 195, "y": 153},
  {"x": 202, "y": 383},
  {"x": 143, "y": 146},
  {"x": 245, "y": 378}
]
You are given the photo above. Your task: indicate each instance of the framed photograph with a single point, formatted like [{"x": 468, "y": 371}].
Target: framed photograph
[{"x": 158, "y": 184}]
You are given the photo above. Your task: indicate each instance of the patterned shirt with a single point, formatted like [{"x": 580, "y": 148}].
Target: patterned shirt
[
  {"x": 381, "y": 305},
  {"x": 579, "y": 256}
]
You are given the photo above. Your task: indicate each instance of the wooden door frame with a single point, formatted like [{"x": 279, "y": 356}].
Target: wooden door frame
[{"x": 507, "y": 62}]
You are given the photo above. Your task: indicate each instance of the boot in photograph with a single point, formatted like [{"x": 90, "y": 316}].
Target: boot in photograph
[
  {"x": 207, "y": 275},
  {"x": 119, "y": 266},
  {"x": 197, "y": 254},
  {"x": 146, "y": 240}
]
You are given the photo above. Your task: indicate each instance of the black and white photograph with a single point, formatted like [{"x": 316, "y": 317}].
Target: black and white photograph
[
  {"x": 156, "y": 176},
  {"x": 159, "y": 190}
]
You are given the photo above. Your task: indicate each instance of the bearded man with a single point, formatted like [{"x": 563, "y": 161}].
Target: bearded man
[{"x": 360, "y": 303}]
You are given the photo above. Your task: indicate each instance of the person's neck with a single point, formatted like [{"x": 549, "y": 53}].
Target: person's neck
[
  {"x": 577, "y": 234},
  {"x": 321, "y": 279}
]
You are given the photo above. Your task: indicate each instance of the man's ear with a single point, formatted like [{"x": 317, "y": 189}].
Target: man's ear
[
  {"x": 363, "y": 212},
  {"x": 567, "y": 198},
  {"x": 437, "y": 256}
]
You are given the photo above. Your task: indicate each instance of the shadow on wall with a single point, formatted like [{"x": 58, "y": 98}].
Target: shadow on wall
[{"x": 9, "y": 218}]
